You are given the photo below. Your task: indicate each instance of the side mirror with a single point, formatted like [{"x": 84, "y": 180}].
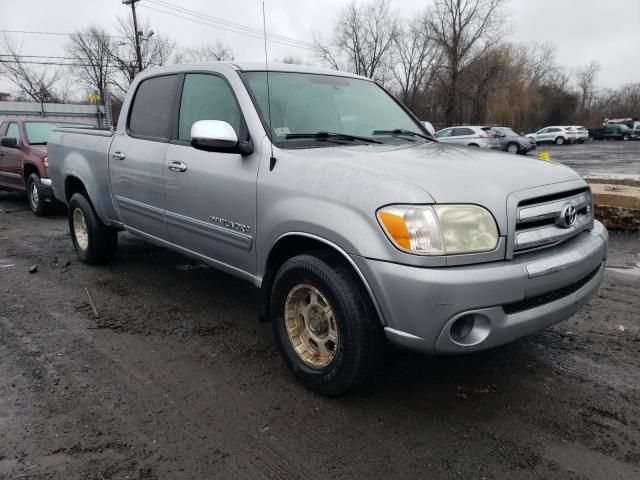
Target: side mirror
[
  {"x": 9, "y": 142},
  {"x": 213, "y": 136}
]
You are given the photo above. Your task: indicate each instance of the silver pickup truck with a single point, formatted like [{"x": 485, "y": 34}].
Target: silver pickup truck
[{"x": 327, "y": 194}]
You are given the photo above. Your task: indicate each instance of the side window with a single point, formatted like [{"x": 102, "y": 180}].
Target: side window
[
  {"x": 206, "y": 97},
  {"x": 13, "y": 131},
  {"x": 544, "y": 130},
  {"x": 152, "y": 109},
  {"x": 443, "y": 133},
  {"x": 458, "y": 132}
]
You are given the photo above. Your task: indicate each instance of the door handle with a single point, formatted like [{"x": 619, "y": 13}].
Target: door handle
[
  {"x": 177, "y": 166},
  {"x": 118, "y": 155}
]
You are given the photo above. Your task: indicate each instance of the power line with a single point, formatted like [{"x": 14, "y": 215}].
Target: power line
[
  {"x": 222, "y": 27},
  {"x": 30, "y": 32},
  {"x": 228, "y": 23}
]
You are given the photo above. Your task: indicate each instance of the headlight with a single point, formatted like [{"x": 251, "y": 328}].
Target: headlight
[{"x": 439, "y": 229}]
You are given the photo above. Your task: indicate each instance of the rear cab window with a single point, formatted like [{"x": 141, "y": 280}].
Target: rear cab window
[{"x": 152, "y": 109}]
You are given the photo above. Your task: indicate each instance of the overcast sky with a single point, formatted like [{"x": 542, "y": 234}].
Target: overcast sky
[{"x": 583, "y": 30}]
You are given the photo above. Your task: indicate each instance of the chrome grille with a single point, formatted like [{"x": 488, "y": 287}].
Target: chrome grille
[{"x": 539, "y": 221}]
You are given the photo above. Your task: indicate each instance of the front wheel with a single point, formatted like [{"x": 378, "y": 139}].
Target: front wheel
[
  {"x": 513, "y": 148},
  {"x": 36, "y": 196},
  {"x": 324, "y": 325},
  {"x": 94, "y": 242}
]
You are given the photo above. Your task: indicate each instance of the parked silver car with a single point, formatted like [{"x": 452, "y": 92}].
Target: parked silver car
[
  {"x": 352, "y": 221},
  {"x": 474, "y": 136}
]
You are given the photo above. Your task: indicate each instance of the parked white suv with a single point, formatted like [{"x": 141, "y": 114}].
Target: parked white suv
[
  {"x": 581, "y": 132},
  {"x": 557, "y": 135}
]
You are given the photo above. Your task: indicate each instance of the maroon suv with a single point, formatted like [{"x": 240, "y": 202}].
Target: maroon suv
[{"x": 23, "y": 159}]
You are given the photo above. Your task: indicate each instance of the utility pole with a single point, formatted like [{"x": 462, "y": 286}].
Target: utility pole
[{"x": 135, "y": 30}]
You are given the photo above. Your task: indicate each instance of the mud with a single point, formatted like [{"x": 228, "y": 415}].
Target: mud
[{"x": 175, "y": 378}]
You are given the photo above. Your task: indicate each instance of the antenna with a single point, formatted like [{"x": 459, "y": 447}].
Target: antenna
[{"x": 272, "y": 159}]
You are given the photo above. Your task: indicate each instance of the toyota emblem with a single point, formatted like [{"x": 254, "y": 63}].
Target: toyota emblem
[{"x": 568, "y": 216}]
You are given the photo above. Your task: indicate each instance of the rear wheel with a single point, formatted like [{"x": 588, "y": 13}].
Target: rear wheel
[
  {"x": 324, "y": 325},
  {"x": 36, "y": 197},
  {"x": 513, "y": 148},
  {"x": 560, "y": 141},
  {"x": 94, "y": 241},
  {"x": 474, "y": 145},
  {"x": 626, "y": 137}
]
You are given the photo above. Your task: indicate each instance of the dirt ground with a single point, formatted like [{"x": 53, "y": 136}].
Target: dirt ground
[{"x": 175, "y": 378}]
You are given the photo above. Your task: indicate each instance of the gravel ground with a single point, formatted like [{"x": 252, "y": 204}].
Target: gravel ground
[
  {"x": 601, "y": 156},
  {"x": 175, "y": 378}
]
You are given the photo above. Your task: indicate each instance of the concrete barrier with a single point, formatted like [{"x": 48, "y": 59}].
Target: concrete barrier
[{"x": 616, "y": 200}]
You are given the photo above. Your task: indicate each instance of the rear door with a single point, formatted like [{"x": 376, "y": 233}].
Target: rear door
[
  {"x": 11, "y": 159},
  {"x": 137, "y": 157},
  {"x": 211, "y": 198},
  {"x": 464, "y": 136}
]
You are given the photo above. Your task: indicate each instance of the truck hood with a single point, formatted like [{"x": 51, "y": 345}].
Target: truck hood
[{"x": 447, "y": 173}]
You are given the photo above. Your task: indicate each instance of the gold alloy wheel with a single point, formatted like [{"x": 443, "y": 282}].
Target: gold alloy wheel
[
  {"x": 80, "y": 229},
  {"x": 311, "y": 326}
]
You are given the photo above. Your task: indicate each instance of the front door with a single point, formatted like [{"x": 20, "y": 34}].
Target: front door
[
  {"x": 210, "y": 198},
  {"x": 137, "y": 157},
  {"x": 11, "y": 160}
]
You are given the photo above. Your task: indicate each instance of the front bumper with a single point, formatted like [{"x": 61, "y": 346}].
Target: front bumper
[
  {"x": 507, "y": 299},
  {"x": 47, "y": 190}
]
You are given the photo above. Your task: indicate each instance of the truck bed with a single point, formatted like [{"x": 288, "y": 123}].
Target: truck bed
[{"x": 83, "y": 154}]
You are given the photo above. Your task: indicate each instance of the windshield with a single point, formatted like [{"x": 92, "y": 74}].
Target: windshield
[
  {"x": 304, "y": 104},
  {"x": 38, "y": 132}
]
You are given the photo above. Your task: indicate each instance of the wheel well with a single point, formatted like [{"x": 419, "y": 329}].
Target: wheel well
[
  {"x": 28, "y": 170},
  {"x": 290, "y": 246},
  {"x": 73, "y": 185},
  {"x": 474, "y": 145}
]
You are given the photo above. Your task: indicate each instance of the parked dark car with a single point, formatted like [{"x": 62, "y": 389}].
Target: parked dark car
[
  {"x": 613, "y": 132},
  {"x": 23, "y": 159},
  {"x": 512, "y": 142}
]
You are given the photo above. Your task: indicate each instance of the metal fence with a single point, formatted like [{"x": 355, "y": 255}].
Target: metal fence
[{"x": 90, "y": 114}]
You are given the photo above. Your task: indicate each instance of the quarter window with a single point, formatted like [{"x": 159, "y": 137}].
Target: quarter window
[
  {"x": 206, "y": 97},
  {"x": 151, "y": 111}
]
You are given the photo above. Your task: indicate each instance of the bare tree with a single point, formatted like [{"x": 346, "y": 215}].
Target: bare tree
[
  {"x": 418, "y": 59},
  {"x": 34, "y": 81},
  {"x": 466, "y": 30},
  {"x": 92, "y": 52},
  {"x": 155, "y": 51},
  {"x": 364, "y": 35},
  {"x": 586, "y": 80},
  {"x": 212, "y": 52}
]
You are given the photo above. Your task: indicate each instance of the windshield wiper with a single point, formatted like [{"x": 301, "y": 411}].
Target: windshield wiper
[
  {"x": 403, "y": 131},
  {"x": 328, "y": 135}
]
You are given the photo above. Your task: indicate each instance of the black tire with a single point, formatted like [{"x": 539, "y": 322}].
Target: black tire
[
  {"x": 361, "y": 339},
  {"x": 513, "y": 148},
  {"x": 581, "y": 141},
  {"x": 626, "y": 137},
  {"x": 35, "y": 196},
  {"x": 560, "y": 141},
  {"x": 474, "y": 145},
  {"x": 101, "y": 241}
]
